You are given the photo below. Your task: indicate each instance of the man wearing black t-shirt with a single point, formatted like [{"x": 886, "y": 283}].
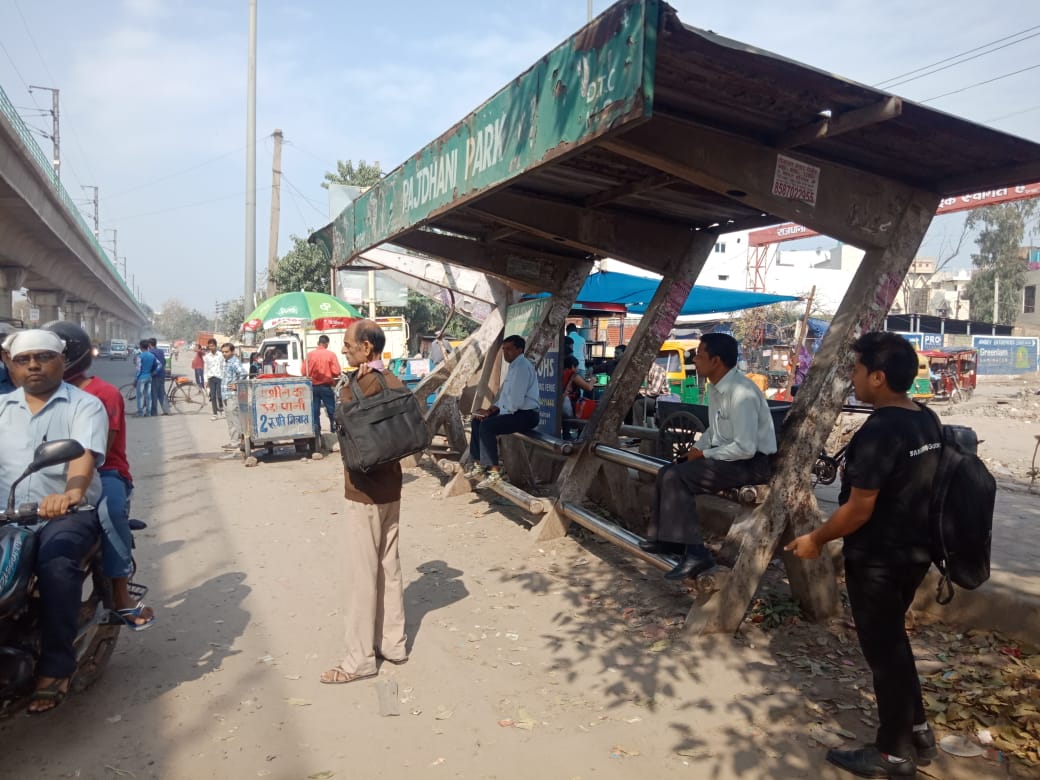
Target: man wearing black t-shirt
[{"x": 883, "y": 517}]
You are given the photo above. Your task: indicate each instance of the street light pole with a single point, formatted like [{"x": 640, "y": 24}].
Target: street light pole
[
  {"x": 92, "y": 187},
  {"x": 250, "y": 280}
]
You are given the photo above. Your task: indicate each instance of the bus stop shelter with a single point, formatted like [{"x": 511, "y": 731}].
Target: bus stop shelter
[{"x": 642, "y": 138}]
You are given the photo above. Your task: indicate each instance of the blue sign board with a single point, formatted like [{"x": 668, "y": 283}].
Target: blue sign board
[
  {"x": 913, "y": 338},
  {"x": 932, "y": 340},
  {"x": 549, "y": 393},
  {"x": 1005, "y": 355}
]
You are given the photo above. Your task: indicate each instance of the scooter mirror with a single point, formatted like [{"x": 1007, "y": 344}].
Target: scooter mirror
[{"x": 50, "y": 453}]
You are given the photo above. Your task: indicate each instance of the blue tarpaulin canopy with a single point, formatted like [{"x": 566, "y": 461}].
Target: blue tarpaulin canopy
[{"x": 636, "y": 292}]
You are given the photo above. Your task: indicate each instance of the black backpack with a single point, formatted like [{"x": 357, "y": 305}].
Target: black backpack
[
  {"x": 961, "y": 516},
  {"x": 379, "y": 429}
]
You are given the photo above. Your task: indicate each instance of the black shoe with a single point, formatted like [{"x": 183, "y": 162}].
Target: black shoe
[
  {"x": 869, "y": 762},
  {"x": 924, "y": 745},
  {"x": 690, "y": 565}
]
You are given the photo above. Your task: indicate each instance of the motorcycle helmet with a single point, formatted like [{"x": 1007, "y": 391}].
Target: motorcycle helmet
[{"x": 79, "y": 352}]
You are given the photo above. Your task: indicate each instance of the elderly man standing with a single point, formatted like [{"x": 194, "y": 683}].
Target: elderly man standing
[
  {"x": 45, "y": 408},
  {"x": 733, "y": 451},
  {"x": 515, "y": 410},
  {"x": 375, "y": 590}
]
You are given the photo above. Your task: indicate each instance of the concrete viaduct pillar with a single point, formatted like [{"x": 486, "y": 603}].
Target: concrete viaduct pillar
[
  {"x": 11, "y": 279},
  {"x": 48, "y": 302},
  {"x": 90, "y": 323}
]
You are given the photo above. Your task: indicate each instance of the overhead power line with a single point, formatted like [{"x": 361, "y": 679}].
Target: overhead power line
[
  {"x": 1013, "y": 113},
  {"x": 185, "y": 206},
  {"x": 962, "y": 54},
  {"x": 175, "y": 174},
  {"x": 958, "y": 62},
  {"x": 981, "y": 83}
]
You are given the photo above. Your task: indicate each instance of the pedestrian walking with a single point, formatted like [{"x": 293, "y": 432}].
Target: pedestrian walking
[
  {"x": 322, "y": 367},
  {"x": 883, "y": 516},
  {"x": 375, "y": 591},
  {"x": 198, "y": 365},
  {"x": 233, "y": 373},
  {"x": 213, "y": 370}
]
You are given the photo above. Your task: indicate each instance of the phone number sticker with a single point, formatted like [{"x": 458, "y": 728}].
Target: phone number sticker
[{"x": 796, "y": 180}]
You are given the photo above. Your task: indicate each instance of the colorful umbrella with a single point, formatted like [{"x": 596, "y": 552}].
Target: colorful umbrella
[{"x": 293, "y": 309}]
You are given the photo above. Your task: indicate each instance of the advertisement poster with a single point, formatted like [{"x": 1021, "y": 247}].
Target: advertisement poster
[{"x": 1005, "y": 355}]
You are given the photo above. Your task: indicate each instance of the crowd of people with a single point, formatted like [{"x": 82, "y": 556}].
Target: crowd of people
[{"x": 882, "y": 517}]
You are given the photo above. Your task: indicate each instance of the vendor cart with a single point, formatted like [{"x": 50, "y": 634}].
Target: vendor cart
[{"x": 277, "y": 410}]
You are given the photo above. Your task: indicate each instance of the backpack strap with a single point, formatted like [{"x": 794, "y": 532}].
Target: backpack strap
[{"x": 944, "y": 590}]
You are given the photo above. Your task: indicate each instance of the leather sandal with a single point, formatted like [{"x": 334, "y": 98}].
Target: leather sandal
[{"x": 337, "y": 675}]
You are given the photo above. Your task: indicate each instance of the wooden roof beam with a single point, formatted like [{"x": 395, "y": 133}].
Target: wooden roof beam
[
  {"x": 647, "y": 243},
  {"x": 646, "y": 184},
  {"x": 829, "y": 127},
  {"x": 854, "y": 206}
]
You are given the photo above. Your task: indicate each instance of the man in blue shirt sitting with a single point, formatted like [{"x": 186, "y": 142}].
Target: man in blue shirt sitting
[
  {"x": 45, "y": 408},
  {"x": 515, "y": 410}
]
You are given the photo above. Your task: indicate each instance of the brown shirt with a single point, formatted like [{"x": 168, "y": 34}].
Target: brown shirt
[{"x": 381, "y": 485}]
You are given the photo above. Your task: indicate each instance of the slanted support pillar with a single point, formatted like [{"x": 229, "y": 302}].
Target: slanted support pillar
[
  {"x": 580, "y": 470},
  {"x": 791, "y": 505}
]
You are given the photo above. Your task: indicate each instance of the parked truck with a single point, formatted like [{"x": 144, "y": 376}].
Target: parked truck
[{"x": 293, "y": 345}]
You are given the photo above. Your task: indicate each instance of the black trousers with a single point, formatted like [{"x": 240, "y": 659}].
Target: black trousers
[
  {"x": 674, "y": 512},
  {"x": 880, "y": 597},
  {"x": 215, "y": 397},
  {"x": 483, "y": 440}
]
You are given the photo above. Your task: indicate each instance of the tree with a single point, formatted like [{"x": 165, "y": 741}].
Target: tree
[
  {"x": 1000, "y": 238},
  {"x": 364, "y": 175},
  {"x": 304, "y": 267},
  {"x": 915, "y": 286},
  {"x": 231, "y": 320},
  {"x": 176, "y": 321}
]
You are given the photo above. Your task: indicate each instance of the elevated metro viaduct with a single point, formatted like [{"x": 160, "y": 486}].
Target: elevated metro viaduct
[
  {"x": 642, "y": 138},
  {"x": 47, "y": 248}
]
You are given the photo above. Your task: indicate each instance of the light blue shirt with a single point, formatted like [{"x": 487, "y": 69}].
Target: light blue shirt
[
  {"x": 68, "y": 414},
  {"x": 520, "y": 388},
  {"x": 579, "y": 350},
  {"x": 233, "y": 373},
  {"x": 739, "y": 422}
]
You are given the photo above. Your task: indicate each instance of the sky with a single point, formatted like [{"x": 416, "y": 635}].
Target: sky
[{"x": 153, "y": 97}]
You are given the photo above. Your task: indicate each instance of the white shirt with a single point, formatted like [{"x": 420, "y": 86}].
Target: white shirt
[
  {"x": 213, "y": 365},
  {"x": 520, "y": 388},
  {"x": 739, "y": 422}
]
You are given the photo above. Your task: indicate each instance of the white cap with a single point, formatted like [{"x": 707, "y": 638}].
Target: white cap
[{"x": 33, "y": 341}]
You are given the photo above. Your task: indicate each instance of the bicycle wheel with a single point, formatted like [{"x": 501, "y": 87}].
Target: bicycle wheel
[
  {"x": 187, "y": 398},
  {"x": 129, "y": 391}
]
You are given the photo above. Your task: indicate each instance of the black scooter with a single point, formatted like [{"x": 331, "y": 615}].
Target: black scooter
[{"x": 97, "y": 631}]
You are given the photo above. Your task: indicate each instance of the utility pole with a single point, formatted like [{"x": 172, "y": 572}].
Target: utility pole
[
  {"x": 276, "y": 203},
  {"x": 590, "y": 10},
  {"x": 250, "y": 281},
  {"x": 56, "y": 133},
  {"x": 996, "y": 298},
  {"x": 91, "y": 187}
]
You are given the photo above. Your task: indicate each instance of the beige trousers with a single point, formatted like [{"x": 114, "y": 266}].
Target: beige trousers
[{"x": 375, "y": 591}]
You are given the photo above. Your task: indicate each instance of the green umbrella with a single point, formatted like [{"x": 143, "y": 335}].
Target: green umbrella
[{"x": 293, "y": 309}]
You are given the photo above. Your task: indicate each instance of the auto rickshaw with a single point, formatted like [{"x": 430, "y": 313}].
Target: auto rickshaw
[
  {"x": 922, "y": 389},
  {"x": 956, "y": 368},
  {"x": 676, "y": 358}
]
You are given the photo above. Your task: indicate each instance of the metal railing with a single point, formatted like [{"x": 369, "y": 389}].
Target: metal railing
[{"x": 46, "y": 167}]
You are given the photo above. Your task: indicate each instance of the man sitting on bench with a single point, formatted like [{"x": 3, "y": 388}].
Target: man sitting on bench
[
  {"x": 733, "y": 451},
  {"x": 515, "y": 410}
]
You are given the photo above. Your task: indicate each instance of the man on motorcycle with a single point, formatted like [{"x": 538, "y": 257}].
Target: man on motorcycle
[
  {"x": 43, "y": 408},
  {"x": 116, "y": 481}
]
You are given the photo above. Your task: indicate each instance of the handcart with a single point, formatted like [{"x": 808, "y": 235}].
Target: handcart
[{"x": 277, "y": 410}]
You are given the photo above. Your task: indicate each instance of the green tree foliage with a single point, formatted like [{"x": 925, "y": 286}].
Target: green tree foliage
[
  {"x": 231, "y": 320},
  {"x": 361, "y": 175},
  {"x": 174, "y": 320},
  {"x": 304, "y": 267},
  {"x": 1001, "y": 230}
]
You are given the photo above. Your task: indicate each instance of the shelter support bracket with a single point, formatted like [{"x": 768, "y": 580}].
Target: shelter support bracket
[
  {"x": 852, "y": 205},
  {"x": 791, "y": 503},
  {"x": 580, "y": 470}
]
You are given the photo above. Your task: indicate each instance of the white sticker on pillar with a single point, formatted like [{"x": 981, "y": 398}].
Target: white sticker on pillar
[{"x": 796, "y": 180}]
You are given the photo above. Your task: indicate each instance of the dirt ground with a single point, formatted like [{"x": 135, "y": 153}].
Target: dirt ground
[{"x": 559, "y": 660}]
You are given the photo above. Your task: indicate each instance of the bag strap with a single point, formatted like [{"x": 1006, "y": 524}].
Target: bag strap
[
  {"x": 944, "y": 590},
  {"x": 355, "y": 386}
]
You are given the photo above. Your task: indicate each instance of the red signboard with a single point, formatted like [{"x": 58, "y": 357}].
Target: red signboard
[{"x": 790, "y": 231}]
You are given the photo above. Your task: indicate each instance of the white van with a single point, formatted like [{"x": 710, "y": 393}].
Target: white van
[{"x": 117, "y": 349}]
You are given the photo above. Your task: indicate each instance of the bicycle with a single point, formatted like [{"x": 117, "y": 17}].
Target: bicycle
[{"x": 184, "y": 395}]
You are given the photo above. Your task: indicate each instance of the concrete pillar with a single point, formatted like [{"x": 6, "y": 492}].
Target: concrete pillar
[
  {"x": 90, "y": 315},
  {"x": 74, "y": 312},
  {"x": 11, "y": 279},
  {"x": 49, "y": 302}
]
